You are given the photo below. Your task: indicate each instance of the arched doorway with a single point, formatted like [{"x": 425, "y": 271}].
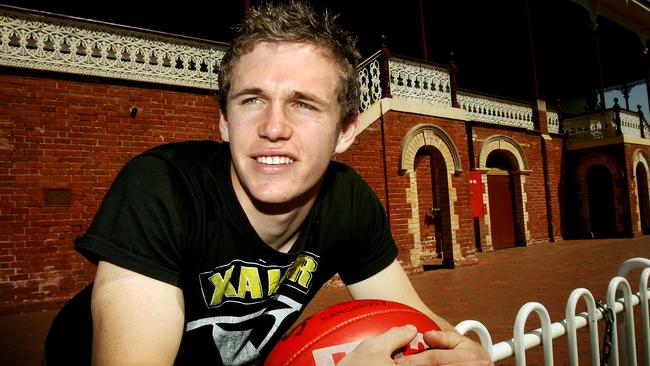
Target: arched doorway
[
  {"x": 437, "y": 161},
  {"x": 501, "y": 198},
  {"x": 644, "y": 199},
  {"x": 433, "y": 201},
  {"x": 602, "y": 210},
  {"x": 600, "y": 198}
]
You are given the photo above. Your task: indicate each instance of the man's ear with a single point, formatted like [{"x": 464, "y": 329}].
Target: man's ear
[
  {"x": 223, "y": 127},
  {"x": 347, "y": 136}
]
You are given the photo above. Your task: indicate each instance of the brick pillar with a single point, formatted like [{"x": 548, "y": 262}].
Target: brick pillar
[{"x": 540, "y": 122}]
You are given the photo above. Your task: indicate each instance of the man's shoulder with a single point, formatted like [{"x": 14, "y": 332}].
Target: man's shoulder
[
  {"x": 185, "y": 158},
  {"x": 343, "y": 180},
  {"x": 339, "y": 170},
  {"x": 193, "y": 153},
  {"x": 189, "y": 148}
]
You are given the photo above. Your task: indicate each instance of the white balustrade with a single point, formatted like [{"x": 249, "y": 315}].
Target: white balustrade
[
  {"x": 97, "y": 49},
  {"x": 419, "y": 82},
  {"x": 68, "y": 46},
  {"x": 497, "y": 111}
]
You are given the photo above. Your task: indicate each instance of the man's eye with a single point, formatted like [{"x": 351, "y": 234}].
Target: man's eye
[
  {"x": 251, "y": 101},
  {"x": 304, "y": 105}
]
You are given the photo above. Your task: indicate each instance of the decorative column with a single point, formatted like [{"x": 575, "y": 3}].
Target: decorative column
[
  {"x": 540, "y": 121},
  {"x": 641, "y": 121},
  {"x": 453, "y": 70},
  {"x": 617, "y": 117},
  {"x": 384, "y": 81},
  {"x": 599, "y": 65},
  {"x": 625, "y": 90},
  {"x": 423, "y": 32},
  {"x": 647, "y": 69},
  {"x": 384, "y": 75}
]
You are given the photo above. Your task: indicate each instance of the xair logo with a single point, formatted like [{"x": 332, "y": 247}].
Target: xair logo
[{"x": 249, "y": 282}]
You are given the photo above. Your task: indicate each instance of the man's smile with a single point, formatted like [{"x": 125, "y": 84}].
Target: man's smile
[{"x": 274, "y": 160}]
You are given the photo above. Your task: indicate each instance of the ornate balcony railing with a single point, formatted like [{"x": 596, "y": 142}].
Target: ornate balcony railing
[
  {"x": 69, "y": 45},
  {"x": 591, "y": 126},
  {"x": 492, "y": 110},
  {"x": 419, "y": 82},
  {"x": 431, "y": 84},
  {"x": 553, "y": 119},
  {"x": 604, "y": 124},
  {"x": 631, "y": 124},
  {"x": 369, "y": 79},
  {"x": 66, "y": 45}
]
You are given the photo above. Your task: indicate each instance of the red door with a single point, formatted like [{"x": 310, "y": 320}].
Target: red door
[{"x": 501, "y": 213}]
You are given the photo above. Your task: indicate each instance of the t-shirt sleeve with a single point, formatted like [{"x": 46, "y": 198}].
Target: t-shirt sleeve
[
  {"x": 138, "y": 225},
  {"x": 372, "y": 247}
]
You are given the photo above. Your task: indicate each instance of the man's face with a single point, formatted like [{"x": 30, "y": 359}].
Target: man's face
[{"x": 283, "y": 113}]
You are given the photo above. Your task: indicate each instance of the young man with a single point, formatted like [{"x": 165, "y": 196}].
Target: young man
[{"x": 208, "y": 252}]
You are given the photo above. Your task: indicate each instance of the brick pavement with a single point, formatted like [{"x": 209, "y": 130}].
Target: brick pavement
[{"x": 491, "y": 292}]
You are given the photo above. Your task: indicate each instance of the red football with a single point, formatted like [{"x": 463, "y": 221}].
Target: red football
[{"x": 326, "y": 336}]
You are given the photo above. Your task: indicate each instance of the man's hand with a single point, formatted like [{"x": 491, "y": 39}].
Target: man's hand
[
  {"x": 448, "y": 348},
  {"x": 377, "y": 351}
]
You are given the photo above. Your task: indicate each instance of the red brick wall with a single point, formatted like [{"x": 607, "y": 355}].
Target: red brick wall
[
  {"x": 61, "y": 137},
  {"x": 397, "y": 125},
  {"x": 68, "y": 137},
  {"x": 366, "y": 156},
  {"x": 534, "y": 187},
  {"x": 554, "y": 156}
]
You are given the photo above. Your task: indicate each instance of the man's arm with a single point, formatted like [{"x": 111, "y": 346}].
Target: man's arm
[
  {"x": 137, "y": 320},
  {"x": 393, "y": 284}
]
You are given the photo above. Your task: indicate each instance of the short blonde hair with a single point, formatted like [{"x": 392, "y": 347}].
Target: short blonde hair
[{"x": 297, "y": 22}]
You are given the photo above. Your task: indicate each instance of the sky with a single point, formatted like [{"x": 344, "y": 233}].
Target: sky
[
  {"x": 638, "y": 96},
  {"x": 489, "y": 39}
]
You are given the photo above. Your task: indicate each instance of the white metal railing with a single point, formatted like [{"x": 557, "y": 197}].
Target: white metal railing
[
  {"x": 604, "y": 124},
  {"x": 591, "y": 126},
  {"x": 425, "y": 83},
  {"x": 71, "y": 46},
  {"x": 497, "y": 111},
  {"x": 553, "y": 119},
  {"x": 630, "y": 123},
  {"x": 369, "y": 81},
  {"x": 419, "y": 82},
  {"x": 623, "y": 346}
]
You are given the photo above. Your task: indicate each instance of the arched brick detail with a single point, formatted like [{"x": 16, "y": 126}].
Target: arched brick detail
[
  {"x": 501, "y": 142},
  {"x": 520, "y": 164},
  {"x": 583, "y": 166},
  {"x": 429, "y": 135},
  {"x": 436, "y": 138},
  {"x": 639, "y": 157}
]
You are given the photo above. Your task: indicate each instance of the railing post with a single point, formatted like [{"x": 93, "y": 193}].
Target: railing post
[
  {"x": 453, "y": 69},
  {"x": 560, "y": 117},
  {"x": 641, "y": 121},
  {"x": 384, "y": 75},
  {"x": 617, "y": 117}
]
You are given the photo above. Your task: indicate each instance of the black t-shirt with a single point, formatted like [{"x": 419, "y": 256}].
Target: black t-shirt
[{"x": 172, "y": 214}]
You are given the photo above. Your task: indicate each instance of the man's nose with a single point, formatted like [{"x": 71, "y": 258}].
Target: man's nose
[{"x": 275, "y": 126}]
